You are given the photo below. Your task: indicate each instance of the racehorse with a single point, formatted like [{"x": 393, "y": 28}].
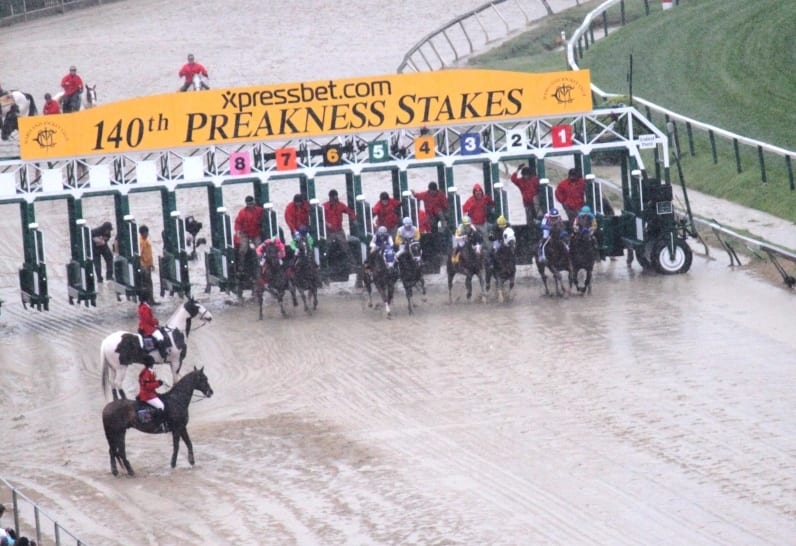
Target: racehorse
[
  {"x": 198, "y": 83},
  {"x": 90, "y": 98},
  {"x": 119, "y": 415},
  {"x": 274, "y": 279},
  {"x": 120, "y": 349},
  {"x": 503, "y": 265},
  {"x": 556, "y": 260},
  {"x": 470, "y": 264},
  {"x": 582, "y": 254},
  {"x": 306, "y": 275},
  {"x": 411, "y": 271},
  {"x": 13, "y": 105},
  {"x": 376, "y": 273}
]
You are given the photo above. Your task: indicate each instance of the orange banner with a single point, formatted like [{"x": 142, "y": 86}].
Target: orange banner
[{"x": 333, "y": 107}]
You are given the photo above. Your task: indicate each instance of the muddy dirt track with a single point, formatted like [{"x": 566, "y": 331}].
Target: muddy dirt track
[{"x": 657, "y": 410}]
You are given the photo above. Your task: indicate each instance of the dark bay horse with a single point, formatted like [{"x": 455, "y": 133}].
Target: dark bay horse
[
  {"x": 470, "y": 264},
  {"x": 582, "y": 254},
  {"x": 306, "y": 275},
  {"x": 503, "y": 266},
  {"x": 557, "y": 260},
  {"x": 274, "y": 279},
  {"x": 376, "y": 273},
  {"x": 120, "y": 415},
  {"x": 410, "y": 269}
]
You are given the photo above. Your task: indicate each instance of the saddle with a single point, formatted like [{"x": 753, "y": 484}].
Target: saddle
[{"x": 146, "y": 414}]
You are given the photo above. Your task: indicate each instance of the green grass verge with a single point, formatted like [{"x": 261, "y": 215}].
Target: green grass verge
[{"x": 724, "y": 62}]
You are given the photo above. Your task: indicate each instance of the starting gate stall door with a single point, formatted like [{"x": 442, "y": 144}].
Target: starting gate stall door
[
  {"x": 220, "y": 259},
  {"x": 127, "y": 265},
  {"x": 173, "y": 265},
  {"x": 80, "y": 271},
  {"x": 33, "y": 274},
  {"x": 337, "y": 264}
]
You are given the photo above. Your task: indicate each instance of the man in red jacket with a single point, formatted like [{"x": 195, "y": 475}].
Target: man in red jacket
[
  {"x": 148, "y": 325},
  {"x": 247, "y": 227},
  {"x": 50, "y": 105},
  {"x": 571, "y": 193},
  {"x": 436, "y": 204},
  {"x": 333, "y": 212},
  {"x": 297, "y": 214},
  {"x": 72, "y": 85},
  {"x": 147, "y": 392},
  {"x": 387, "y": 212},
  {"x": 478, "y": 207},
  {"x": 526, "y": 180},
  {"x": 188, "y": 71}
]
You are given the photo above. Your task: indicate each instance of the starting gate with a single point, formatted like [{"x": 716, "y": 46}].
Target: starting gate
[{"x": 647, "y": 224}]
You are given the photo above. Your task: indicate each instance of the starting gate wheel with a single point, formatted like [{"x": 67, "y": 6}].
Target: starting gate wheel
[{"x": 668, "y": 264}]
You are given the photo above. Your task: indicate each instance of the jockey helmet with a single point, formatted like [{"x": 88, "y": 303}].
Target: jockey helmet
[
  {"x": 477, "y": 187},
  {"x": 465, "y": 220},
  {"x": 586, "y": 209},
  {"x": 407, "y": 221},
  {"x": 303, "y": 230},
  {"x": 501, "y": 221},
  {"x": 553, "y": 212},
  {"x": 297, "y": 235},
  {"x": 382, "y": 230}
]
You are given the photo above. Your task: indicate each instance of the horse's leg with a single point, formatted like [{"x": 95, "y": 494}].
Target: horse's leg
[
  {"x": 260, "y": 302},
  {"x": 499, "y": 284},
  {"x": 188, "y": 444},
  {"x": 369, "y": 288},
  {"x": 121, "y": 452},
  {"x": 175, "y": 444},
  {"x": 468, "y": 284},
  {"x": 118, "y": 381},
  {"x": 293, "y": 294},
  {"x": 481, "y": 284},
  {"x": 450, "y": 284},
  {"x": 112, "y": 453},
  {"x": 408, "y": 290},
  {"x": 541, "y": 267}
]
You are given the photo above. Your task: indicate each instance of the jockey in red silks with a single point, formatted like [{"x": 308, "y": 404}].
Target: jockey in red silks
[{"x": 277, "y": 242}]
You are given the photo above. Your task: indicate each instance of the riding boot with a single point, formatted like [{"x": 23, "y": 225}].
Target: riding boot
[
  {"x": 161, "y": 345},
  {"x": 160, "y": 416}
]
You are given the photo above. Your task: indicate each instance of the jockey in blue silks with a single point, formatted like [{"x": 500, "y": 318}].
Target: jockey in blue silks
[{"x": 382, "y": 242}]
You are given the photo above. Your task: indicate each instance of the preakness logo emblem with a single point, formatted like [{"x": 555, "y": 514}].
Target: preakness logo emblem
[
  {"x": 46, "y": 135},
  {"x": 305, "y": 109}
]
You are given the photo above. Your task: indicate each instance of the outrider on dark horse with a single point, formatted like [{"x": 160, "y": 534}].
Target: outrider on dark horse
[{"x": 120, "y": 415}]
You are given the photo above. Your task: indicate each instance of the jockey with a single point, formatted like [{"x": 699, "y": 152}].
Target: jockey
[
  {"x": 463, "y": 232},
  {"x": 406, "y": 234},
  {"x": 277, "y": 242},
  {"x": 148, "y": 325},
  {"x": 502, "y": 234},
  {"x": 551, "y": 220},
  {"x": 148, "y": 384},
  {"x": 382, "y": 242},
  {"x": 585, "y": 220},
  {"x": 302, "y": 233}
]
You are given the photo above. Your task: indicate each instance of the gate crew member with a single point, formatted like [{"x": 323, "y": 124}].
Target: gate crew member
[
  {"x": 247, "y": 227},
  {"x": 387, "y": 210},
  {"x": 436, "y": 204},
  {"x": 297, "y": 213},
  {"x": 478, "y": 207},
  {"x": 333, "y": 211},
  {"x": 526, "y": 180},
  {"x": 570, "y": 192}
]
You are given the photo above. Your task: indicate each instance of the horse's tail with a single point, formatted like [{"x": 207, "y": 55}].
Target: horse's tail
[
  {"x": 105, "y": 371},
  {"x": 32, "y": 110}
]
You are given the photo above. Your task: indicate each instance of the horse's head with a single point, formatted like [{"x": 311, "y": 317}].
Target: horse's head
[
  {"x": 197, "y": 310},
  {"x": 202, "y": 384},
  {"x": 91, "y": 95}
]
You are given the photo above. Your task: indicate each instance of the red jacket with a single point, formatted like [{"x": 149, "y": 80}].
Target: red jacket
[
  {"x": 422, "y": 222},
  {"x": 388, "y": 214},
  {"x": 147, "y": 323},
  {"x": 434, "y": 204},
  {"x": 148, "y": 384},
  {"x": 71, "y": 84},
  {"x": 189, "y": 69},
  {"x": 248, "y": 221},
  {"x": 571, "y": 193},
  {"x": 51, "y": 107},
  {"x": 334, "y": 215},
  {"x": 477, "y": 209},
  {"x": 529, "y": 187},
  {"x": 297, "y": 216}
]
